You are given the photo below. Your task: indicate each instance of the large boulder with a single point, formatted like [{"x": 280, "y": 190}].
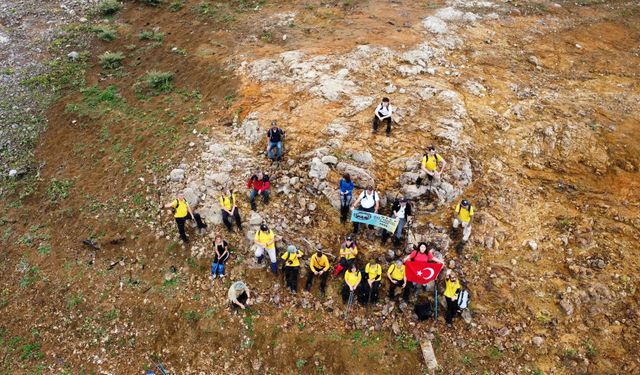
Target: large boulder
[
  {"x": 318, "y": 169},
  {"x": 250, "y": 129},
  {"x": 212, "y": 215},
  {"x": 191, "y": 196},
  {"x": 413, "y": 191},
  {"x": 177, "y": 175},
  {"x": 333, "y": 196},
  {"x": 361, "y": 177},
  {"x": 363, "y": 157},
  {"x": 216, "y": 179}
]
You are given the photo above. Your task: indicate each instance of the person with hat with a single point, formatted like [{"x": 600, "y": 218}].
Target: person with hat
[
  {"x": 464, "y": 216},
  {"x": 431, "y": 167},
  {"x": 265, "y": 240},
  {"x": 183, "y": 212},
  {"x": 451, "y": 289},
  {"x": 348, "y": 252},
  {"x": 368, "y": 201},
  {"x": 398, "y": 278},
  {"x": 292, "y": 267},
  {"x": 259, "y": 185},
  {"x": 239, "y": 295},
  {"x": 229, "y": 209},
  {"x": 275, "y": 137},
  {"x": 401, "y": 210},
  {"x": 318, "y": 266},
  {"x": 373, "y": 271},
  {"x": 352, "y": 283}
]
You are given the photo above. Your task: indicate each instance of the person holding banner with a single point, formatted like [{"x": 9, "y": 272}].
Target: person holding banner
[
  {"x": 352, "y": 283},
  {"x": 373, "y": 271},
  {"x": 368, "y": 201},
  {"x": 398, "y": 278},
  {"x": 451, "y": 289},
  {"x": 348, "y": 252},
  {"x": 421, "y": 255},
  {"x": 401, "y": 210}
]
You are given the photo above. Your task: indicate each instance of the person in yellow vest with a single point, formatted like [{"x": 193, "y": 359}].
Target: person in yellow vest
[
  {"x": 398, "y": 278},
  {"x": 373, "y": 272},
  {"x": 265, "y": 240},
  {"x": 292, "y": 267},
  {"x": 463, "y": 217},
  {"x": 229, "y": 209},
  {"x": 451, "y": 289},
  {"x": 318, "y": 266},
  {"x": 352, "y": 283},
  {"x": 348, "y": 252},
  {"x": 431, "y": 167},
  {"x": 183, "y": 212}
]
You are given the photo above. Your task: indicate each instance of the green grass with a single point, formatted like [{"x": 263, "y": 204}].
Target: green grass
[
  {"x": 58, "y": 190},
  {"x": 300, "y": 363},
  {"x": 151, "y": 35},
  {"x": 192, "y": 316},
  {"x": 74, "y": 300},
  {"x": 31, "y": 351},
  {"x": 176, "y": 6},
  {"x": 105, "y": 33},
  {"x": 30, "y": 277},
  {"x": 44, "y": 249},
  {"x": 111, "y": 60},
  {"x": 154, "y": 83},
  {"x": 590, "y": 349},
  {"x": 109, "y": 8},
  {"x": 406, "y": 342}
]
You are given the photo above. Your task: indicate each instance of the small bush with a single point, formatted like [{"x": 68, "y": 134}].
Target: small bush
[
  {"x": 176, "y": 6},
  {"x": 58, "y": 190},
  {"x": 151, "y": 35},
  {"x": 157, "y": 82},
  {"x": 111, "y": 60},
  {"x": 105, "y": 33},
  {"x": 109, "y": 7}
]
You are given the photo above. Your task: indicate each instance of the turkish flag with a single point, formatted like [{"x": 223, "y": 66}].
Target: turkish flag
[{"x": 422, "y": 272}]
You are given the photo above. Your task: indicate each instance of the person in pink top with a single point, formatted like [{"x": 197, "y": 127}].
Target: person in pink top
[{"x": 421, "y": 254}]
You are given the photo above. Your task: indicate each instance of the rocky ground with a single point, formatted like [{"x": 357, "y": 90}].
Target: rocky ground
[{"x": 533, "y": 105}]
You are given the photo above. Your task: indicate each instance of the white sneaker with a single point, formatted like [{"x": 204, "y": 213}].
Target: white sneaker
[
  {"x": 213, "y": 276},
  {"x": 222, "y": 276}
]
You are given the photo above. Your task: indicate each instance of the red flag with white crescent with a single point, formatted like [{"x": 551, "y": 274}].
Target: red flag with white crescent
[{"x": 422, "y": 272}]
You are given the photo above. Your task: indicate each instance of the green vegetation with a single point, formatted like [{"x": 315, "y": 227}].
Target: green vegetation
[
  {"x": 109, "y": 8},
  {"x": 30, "y": 277},
  {"x": 151, "y": 35},
  {"x": 406, "y": 342},
  {"x": 154, "y": 83},
  {"x": 111, "y": 60},
  {"x": 74, "y": 300},
  {"x": 30, "y": 351},
  {"x": 44, "y": 249},
  {"x": 300, "y": 363},
  {"x": 591, "y": 350},
  {"x": 176, "y": 6},
  {"x": 105, "y": 33},
  {"x": 192, "y": 316},
  {"x": 58, "y": 190}
]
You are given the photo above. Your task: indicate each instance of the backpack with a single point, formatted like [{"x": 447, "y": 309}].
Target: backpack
[
  {"x": 468, "y": 209},
  {"x": 463, "y": 300}
]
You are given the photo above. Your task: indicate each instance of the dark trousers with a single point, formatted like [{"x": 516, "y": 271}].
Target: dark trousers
[
  {"x": 346, "y": 291},
  {"x": 376, "y": 123},
  {"x": 252, "y": 197},
  {"x": 291, "y": 277},
  {"x": 423, "y": 311},
  {"x": 323, "y": 280},
  {"x": 356, "y": 226},
  {"x": 242, "y": 299},
  {"x": 452, "y": 309},
  {"x": 180, "y": 221},
  {"x": 227, "y": 220},
  {"x": 345, "y": 202},
  {"x": 370, "y": 293},
  {"x": 406, "y": 291},
  {"x": 343, "y": 264}
]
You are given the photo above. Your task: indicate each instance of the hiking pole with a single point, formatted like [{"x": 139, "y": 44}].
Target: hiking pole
[
  {"x": 346, "y": 313},
  {"x": 369, "y": 298},
  {"x": 436, "y": 291}
]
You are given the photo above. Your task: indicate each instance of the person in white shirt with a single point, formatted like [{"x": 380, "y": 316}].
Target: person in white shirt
[
  {"x": 383, "y": 114},
  {"x": 369, "y": 201},
  {"x": 401, "y": 210}
]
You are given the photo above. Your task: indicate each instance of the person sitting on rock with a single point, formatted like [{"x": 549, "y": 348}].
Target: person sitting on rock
[
  {"x": 451, "y": 289},
  {"x": 346, "y": 193},
  {"x": 401, "y": 210},
  {"x": 318, "y": 266},
  {"x": 398, "y": 278},
  {"x": 431, "y": 167},
  {"x": 463, "y": 217},
  {"x": 352, "y": 283},
  {"x": 221, "y": 255},
  {"x": 230, "y": 209},
  {"x": 239, "y": 295},
  {"x": 183, "y": 212},
  {"x": 373, "y": 271},
  {"x": 368, "y": 201},
  {"x": 348, "y": 252},
  {"x": 383, "y": 113},
  {"x": 421, "y": 254},
  {"x": 292, "y": 267},
  {"x": 259, "y": 185},
  {"x": 265, "y": 240},
  {"x": 275, "y": 137}
]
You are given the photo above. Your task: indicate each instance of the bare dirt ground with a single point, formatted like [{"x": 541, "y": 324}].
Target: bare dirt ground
[{"x": 535, "y": 105}]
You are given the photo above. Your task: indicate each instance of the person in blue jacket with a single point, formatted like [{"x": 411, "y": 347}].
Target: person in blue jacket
[{"x": 346, "y": 193}]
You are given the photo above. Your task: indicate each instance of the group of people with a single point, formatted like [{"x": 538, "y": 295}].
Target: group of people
[{"x": 363, "y": 284}]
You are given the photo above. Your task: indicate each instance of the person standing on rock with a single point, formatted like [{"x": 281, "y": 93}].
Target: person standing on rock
[
  {"x": 464, "y": 216},
  {"x": 373, "y": 271},
  {"x": 222, "y": 254},
  {"x": 318, "y": 266},
  {"x": 401, "y": 210},
  {"x": 292, "y": 267},
  {"x": 275, "y": 137},
  {"x": 451, "y": 289},
  {"x": 265, "y": 240},
  {"x": 431, "y": 167},
  {"x": 398, "y": 278},
  {"x": 239, "y": 295},
  {"x": 259, "y": 185},
  {"x": 229, "y": 209},
  {"x": 346, "y": 194},
  {"x": 182, "y": 213},
  {"x": 368, "y": 201},
  {"x": 352, "y": 283},
  {"x": 348, "y": 252},
  {"x": 383, "y": 114}
]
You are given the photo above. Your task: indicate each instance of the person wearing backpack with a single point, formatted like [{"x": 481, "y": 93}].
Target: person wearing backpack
[
  {"x": 431, "y": 167},
  {"x": 275, "y": 137},
  {"x": 398, "y": 278},
  {"x": 318, "y": 266},
  {"x": 401, "y": 210},
  {"x": 348, "y": 252},
  {"x": 265, "y": 240},
  {"x": 183, "y": 212},
  {"x": 373, "y": 271},
  {"x": 464, "y": 217},
  {"x": 383, "y": 113},
  {"x": 346, "y": 194},
  {"x": 292, "y": 267},
  {"x": 229, "y": 209},
  {"x": 451, "y": 289},
  {"x": 368, "y": 201},
  {"x": 221, "y": 255},
  {"x": 259, "y": 185},
  {"x": 352, "y": 283}
]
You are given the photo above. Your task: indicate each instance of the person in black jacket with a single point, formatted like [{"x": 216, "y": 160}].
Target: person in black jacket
[{"x": 401, "y": 209}]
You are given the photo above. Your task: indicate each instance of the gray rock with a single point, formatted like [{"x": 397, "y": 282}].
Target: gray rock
[
  {"x": 177, "y": 175},
  {"x": 191, "y": 196},
  {"x": 566, "y": 305},
  {"x": 306, "y": 220},
  {"x": 363, "y": 157},
  {"x": 294, "y": 180},
  {"x": 337, "y": 128},
  {"x": 311, "y": 206},
  {"x": 537, "y": 340},
  {"x": 412, "y": 191},
  {"x": 333, "y": 196},
  {"x": 317, "y": 169},
  {"x": 533, "y": 245},
  {"x": 408, "y": 178},
  {"x": 217, "y": 149},
  {"x": 73, "y": 55},
  {"x": 216, "y": 179},
  {"x": 212, "y": 214},
  {"x": 390, "y": 89},
  {"x": 329, "y": 159},
  {"x": 255, "y": 218},
  {"x": 360, "y": 177},
  {"x": 428, "y": 354},
  {"x": 250, "y": 129},
  {"x": 489, "y": 242},
  {"x": 13, "y": 173}
]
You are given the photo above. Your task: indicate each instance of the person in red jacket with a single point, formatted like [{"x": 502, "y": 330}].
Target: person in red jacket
[{"x": 259, "y": 185}]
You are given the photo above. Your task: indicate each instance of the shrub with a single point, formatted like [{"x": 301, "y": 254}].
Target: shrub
[
  {"x": 159, "y": 82},
  {"x": 109, "y": 7},
  {"x": 105, "y": 33},
  {"x": 111, "y": 60},
  {"x": 59, "y": 189},
  {"x": 176, "y": 6},
  {"x": 151, "y": 35}
]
